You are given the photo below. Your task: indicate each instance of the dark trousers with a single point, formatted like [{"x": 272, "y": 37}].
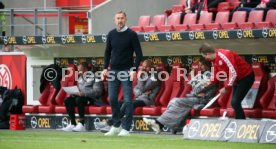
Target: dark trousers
[
  {"x": 240, "y": 90},
  {"x": 76, "y": 101},
  {"x": 136, "y": 103},
  {"x": 113, "y": 90}
]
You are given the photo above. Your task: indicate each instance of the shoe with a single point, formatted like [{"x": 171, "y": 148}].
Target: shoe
[
  {"x": 105, "y": 129},
  {"x": 124, "y": 133},
  {"x": 113, "y": 131},
  {"x": 69, "y": 127},
  {"x": 152, "y": 123},
  {"x": 79, "y": 128},
  {"x": 99, "y": 125}
]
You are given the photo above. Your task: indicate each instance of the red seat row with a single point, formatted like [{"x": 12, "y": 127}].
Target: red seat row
[{"x": 238, "y": 21}]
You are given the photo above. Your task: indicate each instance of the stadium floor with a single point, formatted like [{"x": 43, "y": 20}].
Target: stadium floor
[{"x": 52, "y": 139}]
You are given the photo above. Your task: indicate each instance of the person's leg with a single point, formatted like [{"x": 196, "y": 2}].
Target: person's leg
[
  {"x": 81, "y": 103},
  {"x": 113, "y": 89},
  {"x": 240, "y": 90},
  {"x": 70, "y": 104},
  {"x": 127, "y": 92}
]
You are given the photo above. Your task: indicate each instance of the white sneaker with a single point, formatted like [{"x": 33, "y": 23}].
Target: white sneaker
[
  {"x": 124, "y": 133},
  {"x": 79, "y": 128},
  {"x": 152, "y": 123},
  {"x": 69, "y": 127},
  {"x": 113, "y": 131}
]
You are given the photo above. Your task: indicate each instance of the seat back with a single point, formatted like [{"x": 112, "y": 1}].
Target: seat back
[
  {"x": 43, "y": 98},
  {"x": 239, "y": 17},
  {"x": 272, "y": 104},
  {"x": 144, "y": 21},
  {"x": 189, "y": 19},
  {"x": 158, "y": 20},
  {"x": 222, "y": 17},
  {"x": 160, "y": 68},
  {"x": 256, "y": 16},
  {"x": 270, "y": 17},
  {"x": 174, "y": 19},
  {"x": 170, "y": 90},
  {"x": 205, "y": 18},
  {"x": 258, "y": 88},
  {"x": 269, "y": 93},
  {"x": 65, "y": 82}
]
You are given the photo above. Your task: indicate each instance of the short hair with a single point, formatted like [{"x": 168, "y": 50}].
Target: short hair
[
  {"x": 206, "y": 48},
  {"x": 205, "y": 62},
  {"x": 121, "y": 12},
  {"x": 149, "y": 62},
  {"x": 84, "y": 65},
  {"x": 2, "y": 6}
]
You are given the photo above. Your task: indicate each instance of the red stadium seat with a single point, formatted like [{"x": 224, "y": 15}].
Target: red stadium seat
[
  {"x": 238, "y": 17},
  {"x": 65, "y": 82},
  {"x": 189, "y": 19},
  {"x": 173, "y": 19},
  {"x": 255, "y": 17},
  {"x": 176, "y": 8},
  {"x": 168, "y": 93},
  {"x": 50, "y": 105},
  {"x": 269, "y": 22},
  {"x": 143, "y": 21},
  {"x": 205, "y": 18},
  {"x": 158, "y": 20},
  {"x": 268, "y": 100},
  {"x": 221, "y": 18}
]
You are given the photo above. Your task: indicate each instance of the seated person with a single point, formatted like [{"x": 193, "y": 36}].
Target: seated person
[
  {"x": 91, "y": 90},
  {"x": 257, "y": 5},
  {"x": 179, "y": 108},
  {"x": 145, "y": 92}
]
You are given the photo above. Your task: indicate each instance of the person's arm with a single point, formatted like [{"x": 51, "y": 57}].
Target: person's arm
[
  {"x": 231, "y": 64},
  {"x": 107, "y": 54},
  {"x": 137, "y": 49},
  {"x": 151, "y": 84},
  {"x": 96, "y": 90}
]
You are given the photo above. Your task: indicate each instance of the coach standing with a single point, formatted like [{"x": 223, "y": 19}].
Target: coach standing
[
  {"x": 240, "y": 74},
  {"x": 122, "y": 42}
]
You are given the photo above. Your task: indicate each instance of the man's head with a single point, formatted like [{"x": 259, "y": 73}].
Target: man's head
[
  {"x": 82, "y": 68},
  {"x": 204, "y": 64},
  {"x": 147, "y": 65},
  {"x": 207, "y": 51},
  {"x": 120, "y": 19}
]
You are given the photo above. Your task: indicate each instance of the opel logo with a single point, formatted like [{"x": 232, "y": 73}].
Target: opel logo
[
  {"x": 230, "y": 130},
  {"x": 146, "y": 37},
  {"x": 83, "y": 39},
  {"x": 169, "y": 60},
  {"x": 93, "y": 61},
  {"x": 104, "y": 37},
  {"x": 33, "y": 122},
  {"x": 44, "y": 40},
  {"x": 254, "y": 58},
  {"x": 63, "y": 39},
  {"x": 271, "y": 133},
  {"x": 265, "y": 32},
  {"x": 5, "y": 40},
  {"x": 165, "y": 129},
  {"x": 194, "y": 129},
  {"x": 64, "y": 122},
  {"x": 75, "y": 62},
  {"x": 96, "y": 120},
  {"x": 190, "y": 60},
  {"x": 191, "y": 35},
  {"x": 215, "y": 34},
  {"x": 168, "y": 36},
  {"x": 239, "y": 33},
  {"x": 132, "y": 126},
  {"x": 24, "y": 40}
]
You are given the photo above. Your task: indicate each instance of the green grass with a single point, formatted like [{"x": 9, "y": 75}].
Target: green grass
[{"x": 49, "y": 139}]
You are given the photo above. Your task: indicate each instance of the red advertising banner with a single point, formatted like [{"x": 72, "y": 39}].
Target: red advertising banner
[{"x": 13, "y": 71}]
